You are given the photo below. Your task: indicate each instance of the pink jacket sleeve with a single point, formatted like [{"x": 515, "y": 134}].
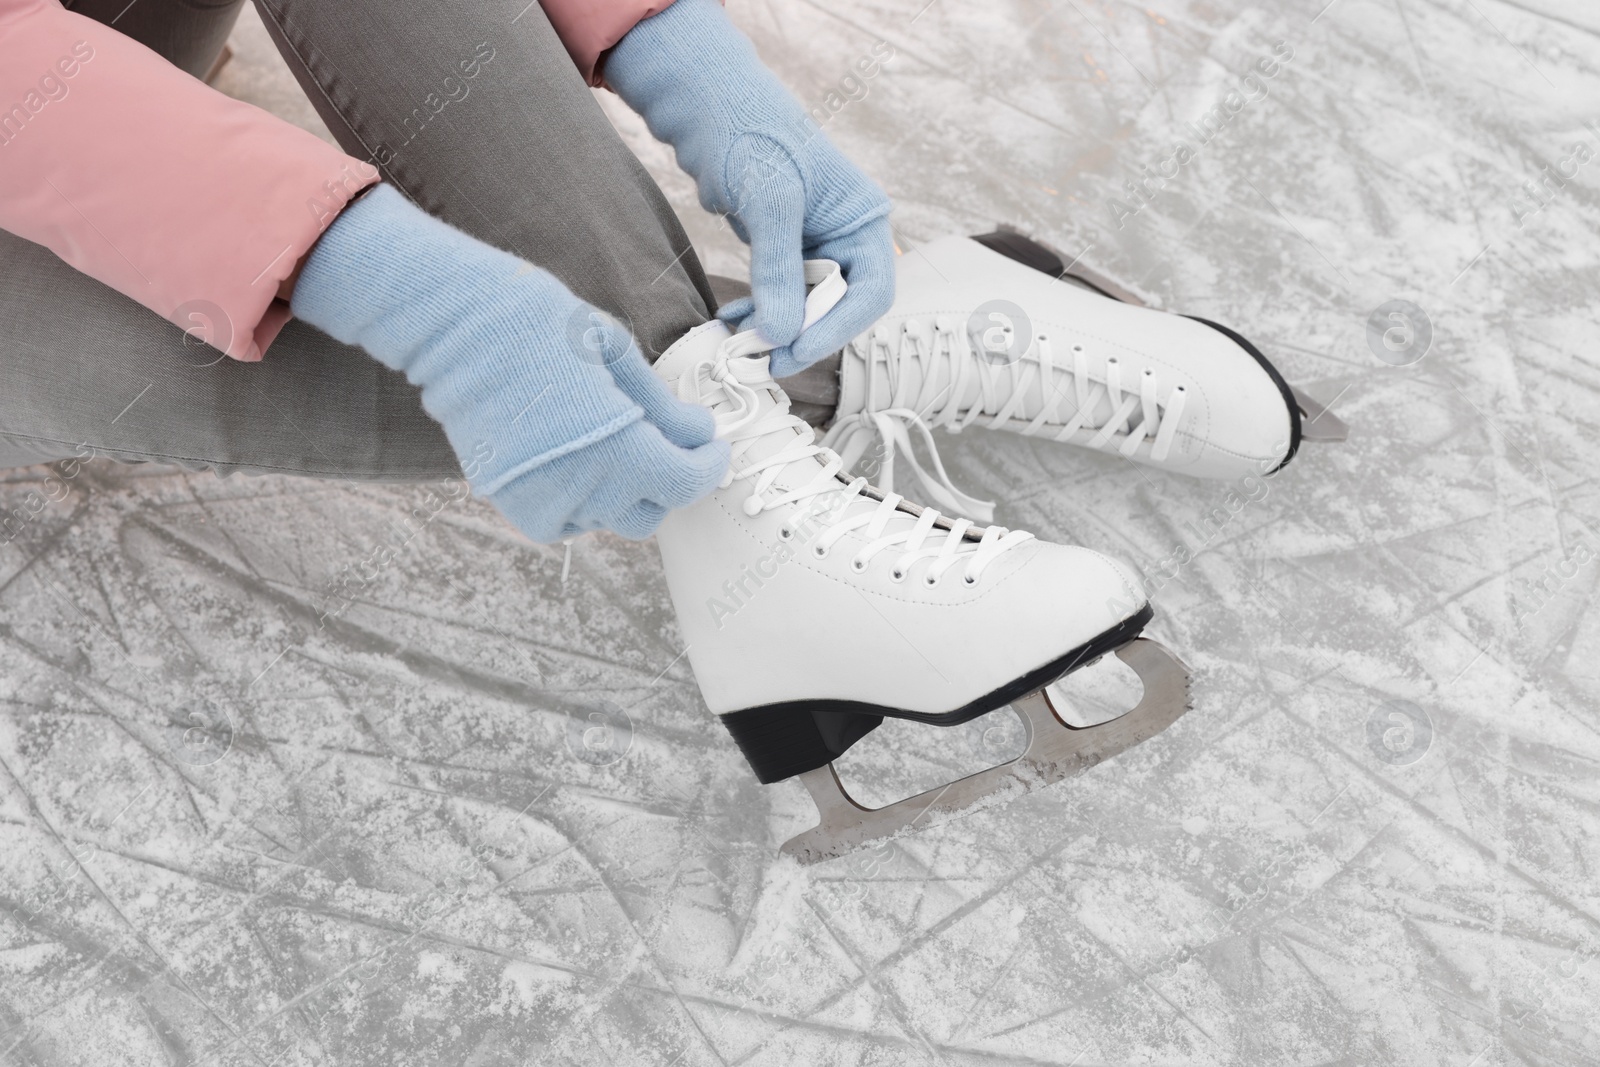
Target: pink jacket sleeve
[
  {"x": 590, "y": 27},
  {"x": 193, "y": 204}
]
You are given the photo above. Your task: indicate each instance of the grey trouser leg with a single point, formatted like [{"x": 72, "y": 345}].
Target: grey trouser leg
[{"x": 474, "y": 110}]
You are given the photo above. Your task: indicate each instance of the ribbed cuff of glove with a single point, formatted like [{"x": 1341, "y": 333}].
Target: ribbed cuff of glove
[{"x": 416, "y": 293}]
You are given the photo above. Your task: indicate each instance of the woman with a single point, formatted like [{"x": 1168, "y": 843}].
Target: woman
[{"x": 480, "y": 282}]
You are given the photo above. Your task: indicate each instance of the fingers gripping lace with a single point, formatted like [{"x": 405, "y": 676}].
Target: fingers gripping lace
[{"x": 732, "y": 383}]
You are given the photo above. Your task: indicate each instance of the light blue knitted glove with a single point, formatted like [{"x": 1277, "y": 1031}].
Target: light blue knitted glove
[
  {"x": 561, "y": 433},
  {"x": 758, "y": 158}
]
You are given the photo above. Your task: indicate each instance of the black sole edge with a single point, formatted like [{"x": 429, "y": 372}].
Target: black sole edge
[
  {"x": 782, "y": 740},
  {"x": 1020, "y": 248},
  {"x": 1082, "y": 656}
]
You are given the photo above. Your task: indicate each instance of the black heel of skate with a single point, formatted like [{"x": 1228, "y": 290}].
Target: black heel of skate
[{"x": 781, "y": 742}]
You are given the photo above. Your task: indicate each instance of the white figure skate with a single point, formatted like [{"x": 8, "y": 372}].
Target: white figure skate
[
  {"x": 994, "y": 330},
  {"x": 814, "y": 605}
]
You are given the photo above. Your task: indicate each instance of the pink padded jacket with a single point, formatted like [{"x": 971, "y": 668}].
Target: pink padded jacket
[{"x": 193, "y": 204}]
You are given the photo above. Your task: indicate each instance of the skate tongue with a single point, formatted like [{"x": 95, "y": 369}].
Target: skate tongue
[
  {"x": 733, "y": 377},
  {"x": 754, "y": 373},
  {"x": 706, "y": 367},
  {"x": 696, "y": 346},
  {"x": 826, "y": 284}
]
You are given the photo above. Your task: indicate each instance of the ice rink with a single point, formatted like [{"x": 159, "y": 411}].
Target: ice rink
[{"x": 482, "y": 817}]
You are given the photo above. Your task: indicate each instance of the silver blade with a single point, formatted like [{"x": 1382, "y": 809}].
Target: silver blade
[
  {"x": 1055, "y": 751},
  {"x": 1317, "y": 423}
]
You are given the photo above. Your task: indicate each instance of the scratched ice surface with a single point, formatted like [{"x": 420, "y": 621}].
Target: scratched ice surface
[{"x": 481, "y": 817}]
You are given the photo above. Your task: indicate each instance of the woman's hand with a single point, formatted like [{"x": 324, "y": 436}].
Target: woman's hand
[
  {"x": 758, "y": 158},
  {"x": 562, "y": 434}
]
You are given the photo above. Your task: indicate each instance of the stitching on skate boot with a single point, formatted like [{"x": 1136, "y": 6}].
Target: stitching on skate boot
[
  {"x": 1020, "y": 248},
  {"x": 782, "y": 740}
]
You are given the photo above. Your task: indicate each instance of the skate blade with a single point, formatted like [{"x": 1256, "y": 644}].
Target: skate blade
[
  {"x": 1054, "y": 751},
  {"x": 1317, "y": 423}
]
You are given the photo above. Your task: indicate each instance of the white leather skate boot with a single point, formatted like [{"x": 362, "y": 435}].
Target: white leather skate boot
[
  {"x": 813, "y": 606},
  {"x": 990, "y": 330}
]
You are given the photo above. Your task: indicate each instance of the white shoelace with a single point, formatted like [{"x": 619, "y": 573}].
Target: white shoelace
[
  {"x": 1002, "y": 388},
  {"x": 732, "y": 382}
]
